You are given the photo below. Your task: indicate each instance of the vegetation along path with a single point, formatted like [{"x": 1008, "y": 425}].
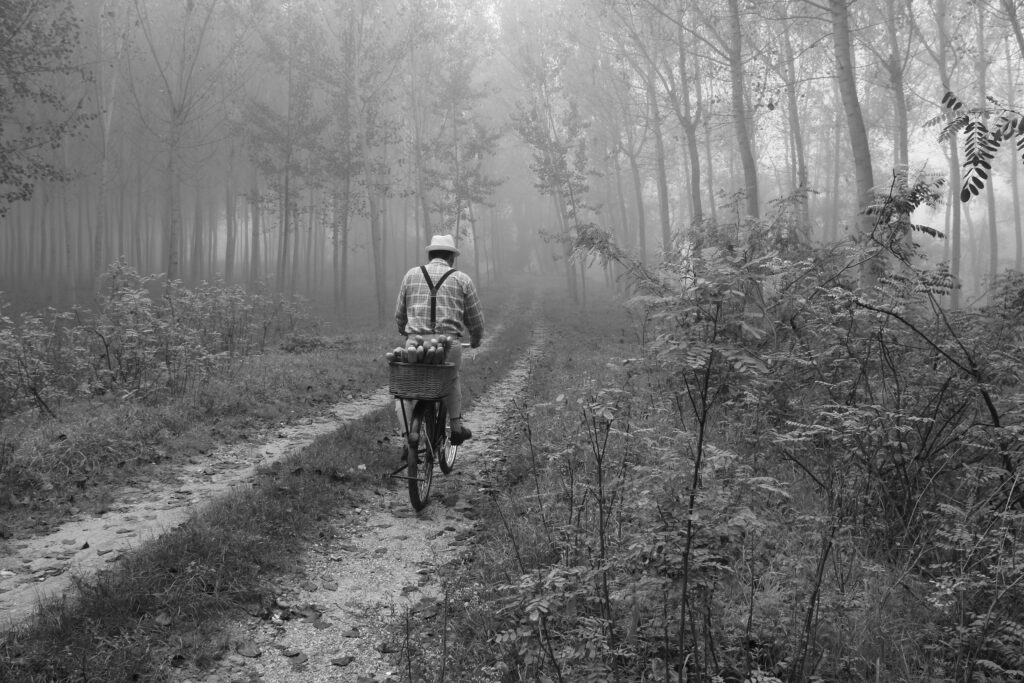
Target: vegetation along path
[
  {"x": 45, "y": 566},
  {"x": 342, "y": 614}
]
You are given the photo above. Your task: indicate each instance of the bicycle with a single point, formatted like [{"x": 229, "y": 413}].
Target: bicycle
[{"x": 420, "y": 390}]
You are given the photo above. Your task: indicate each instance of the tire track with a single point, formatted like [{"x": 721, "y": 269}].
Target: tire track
[
  {"x": 44, "y": 567},
  {"x": 332, "y": 621}
]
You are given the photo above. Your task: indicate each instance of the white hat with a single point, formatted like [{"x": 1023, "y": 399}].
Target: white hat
[{"x": 442, "y": 243}]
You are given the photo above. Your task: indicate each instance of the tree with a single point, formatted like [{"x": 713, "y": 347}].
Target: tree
[
  {"x": 549, "y": 121},
  {"x": 741, "y": 119},
  {"x": 39, "y": 81},
  {"x": 284, "y": 129},
  {"x": 945, "y": 58},
  {"x": 179, "y": 76},
  {"x": 846, "y": 78}
]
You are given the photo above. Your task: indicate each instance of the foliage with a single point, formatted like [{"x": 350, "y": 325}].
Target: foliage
[
  {"x": 559, "y": 150},
  {"x": 38, "y": 42},
  {"x": 982, "y": 137},
  {"x": 135, "y": 342},
  {"x": 790, "y": 478}
]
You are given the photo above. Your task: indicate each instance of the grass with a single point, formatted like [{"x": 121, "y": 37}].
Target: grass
[
  {"x": 56, "y": 468},
  {"x": 527, "y": 604},
  {"x": 163, "y": 604},
  {"x": 517, "y": 530}
]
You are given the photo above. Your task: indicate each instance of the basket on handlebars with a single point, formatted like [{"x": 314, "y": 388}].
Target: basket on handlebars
[{"x": 421, "y": 381}]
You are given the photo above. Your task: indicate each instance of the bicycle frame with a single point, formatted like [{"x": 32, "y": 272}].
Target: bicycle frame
[{"x": 426, "y": 441}]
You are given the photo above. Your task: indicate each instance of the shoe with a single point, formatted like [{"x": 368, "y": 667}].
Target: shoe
[{"x": 460, "y": 435}]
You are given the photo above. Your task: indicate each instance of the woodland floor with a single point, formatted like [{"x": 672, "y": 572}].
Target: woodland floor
[{"x": 344, "y": 612}]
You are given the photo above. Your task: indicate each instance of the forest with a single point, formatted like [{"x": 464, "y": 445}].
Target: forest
[
  {"x": 764, "y": 260},
  {"x": 309, "y": 147}
]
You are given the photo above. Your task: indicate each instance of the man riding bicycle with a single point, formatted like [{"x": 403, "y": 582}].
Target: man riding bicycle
[{"x": 455, "y": 311}]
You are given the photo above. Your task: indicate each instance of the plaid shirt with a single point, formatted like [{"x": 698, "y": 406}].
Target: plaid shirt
[{"x": 458, "y": 306}]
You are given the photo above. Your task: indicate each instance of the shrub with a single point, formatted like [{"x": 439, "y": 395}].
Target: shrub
[{"x": 137, "y": 342}]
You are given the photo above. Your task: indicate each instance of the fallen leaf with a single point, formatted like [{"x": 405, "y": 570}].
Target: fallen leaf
[{"x": 248, "y": 648}]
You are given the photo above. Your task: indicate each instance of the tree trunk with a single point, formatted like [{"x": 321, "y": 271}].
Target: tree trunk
[
  {"x": 339, "y": 242},
  {"x": 660, "y": 170},
  {"x": 1010, "y": 7},
  {"x": 837, "y": 168},
  {"x": 744, "y": 140},
  {"x": 375, "y": 248},
  {"x": 796, "y": 135},
  {"x": 230, "y": 219},
  {"x": 476, "y": 246},
  {"x": 846, "y": 79},
  {"x": 230, "y": 228},
  {"x": 173, "y": 231},
  {"x": 254, "y": 258},
  {"x": 689, "y": 123},
  {"x": 981, "y": 68},
  {"x": 1018, "y": 238},
  {"x": 941, "y": 56},
  {"x": 641, "y": 218},
  {"x": 197, "y": 239}
]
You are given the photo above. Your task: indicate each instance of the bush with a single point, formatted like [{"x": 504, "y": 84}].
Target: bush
[
  {"x": 136, "y": 342},
  {"x": 793, "y": 478}
]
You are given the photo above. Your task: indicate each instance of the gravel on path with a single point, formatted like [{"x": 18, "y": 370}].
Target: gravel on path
[{"x": 334, "y": 620}]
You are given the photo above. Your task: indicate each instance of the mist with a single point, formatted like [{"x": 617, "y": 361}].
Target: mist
[{"x": 312, "y": 147}]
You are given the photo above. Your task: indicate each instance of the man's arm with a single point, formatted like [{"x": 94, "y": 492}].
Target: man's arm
[
  {"x": 473, "y": 315},
  {"x": 401, "y": 314}
]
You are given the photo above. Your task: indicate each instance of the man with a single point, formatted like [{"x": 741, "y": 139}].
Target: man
[{"x": 457, "y": 313}]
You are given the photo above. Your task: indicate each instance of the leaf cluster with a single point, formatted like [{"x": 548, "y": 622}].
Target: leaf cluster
[
  {"x": 985, "y": 130},
  {"x": 38, "y": 110}
]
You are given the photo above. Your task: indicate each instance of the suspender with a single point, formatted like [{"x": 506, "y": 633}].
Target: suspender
[{"x": 433, "y": 294}]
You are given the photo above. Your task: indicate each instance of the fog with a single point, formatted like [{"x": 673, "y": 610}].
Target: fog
[{"x": 313, "y": 146}]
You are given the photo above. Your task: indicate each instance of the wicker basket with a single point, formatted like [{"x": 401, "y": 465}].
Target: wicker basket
[{"x": 421, "y": 381}]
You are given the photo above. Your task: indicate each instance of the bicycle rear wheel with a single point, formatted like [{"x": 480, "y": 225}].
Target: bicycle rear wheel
[
  {"x": 419, "y": 462},
  {"x": 445, "y": 452}
]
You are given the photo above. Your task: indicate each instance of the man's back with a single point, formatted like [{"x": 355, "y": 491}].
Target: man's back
[{"x": 457, "y": 313}]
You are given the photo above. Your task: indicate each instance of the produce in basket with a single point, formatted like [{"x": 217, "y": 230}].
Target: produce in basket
[{"x": 432, "y": 351}]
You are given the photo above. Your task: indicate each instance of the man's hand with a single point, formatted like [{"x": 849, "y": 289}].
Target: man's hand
[{"x": 474, "y": 343}]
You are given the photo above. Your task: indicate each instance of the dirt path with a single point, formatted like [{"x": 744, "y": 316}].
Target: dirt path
[
  {"x": 43, "y": 567},
  {"x": 331, "y": 623}
]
